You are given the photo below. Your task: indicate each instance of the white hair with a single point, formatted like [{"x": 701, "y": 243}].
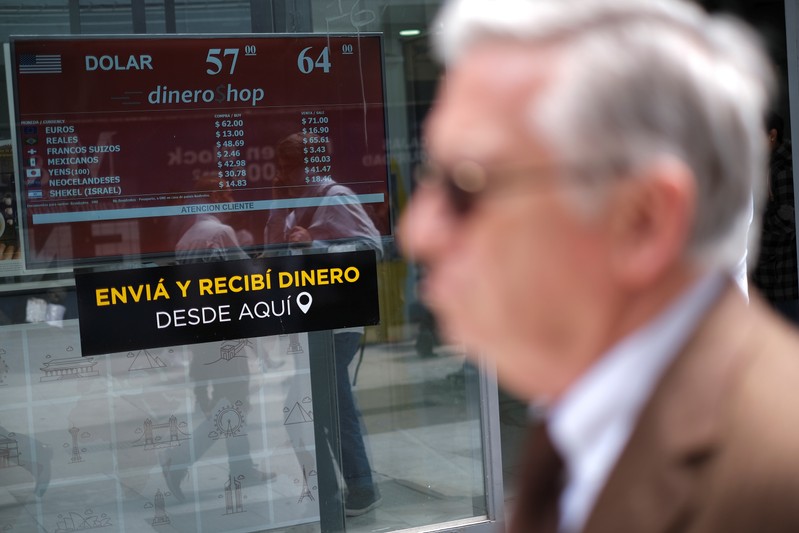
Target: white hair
[{"x": 641, "y": 80}]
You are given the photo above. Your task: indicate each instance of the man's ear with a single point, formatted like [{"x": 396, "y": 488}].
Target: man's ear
[
  {"x": 651, "y": 219},
  {"x": 772, "y": 136}
]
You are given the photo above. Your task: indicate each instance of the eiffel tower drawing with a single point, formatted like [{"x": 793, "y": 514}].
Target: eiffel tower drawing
[
  {"x": 294, "y": 344},
  {"x": 306, "y": 491}
]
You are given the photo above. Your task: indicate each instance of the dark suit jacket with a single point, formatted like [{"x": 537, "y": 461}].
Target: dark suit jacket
[{"x": 716, "y": 448}]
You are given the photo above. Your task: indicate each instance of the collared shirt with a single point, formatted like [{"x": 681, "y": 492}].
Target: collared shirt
[
  {"x": 593, "y": 421},
  {"x": 340, "y": 218},
  {"x": 208, "y": 239}
]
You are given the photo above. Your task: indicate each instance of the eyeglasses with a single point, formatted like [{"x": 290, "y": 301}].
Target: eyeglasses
[
  {"x": 466, "y": 182},
  {"x": 462, "y": 185}
]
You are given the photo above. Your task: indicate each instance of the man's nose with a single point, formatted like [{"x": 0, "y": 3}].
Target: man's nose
[{"x": 426, "y": 226}]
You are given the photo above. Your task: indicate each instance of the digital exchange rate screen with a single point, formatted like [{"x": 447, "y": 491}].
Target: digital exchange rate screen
[{"x": 123, "y": 142}]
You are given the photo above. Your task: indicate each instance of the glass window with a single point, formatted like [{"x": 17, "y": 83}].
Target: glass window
[
  {"x": 213, "y": 16},
  {"x": 99, "y": 16},
  {"x": 382, "y": 427}
]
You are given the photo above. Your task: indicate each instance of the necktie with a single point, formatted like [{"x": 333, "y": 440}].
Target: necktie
[{"x": 540, "y": 486}]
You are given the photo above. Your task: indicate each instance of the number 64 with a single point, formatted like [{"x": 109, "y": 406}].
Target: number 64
[{"x": 307, "y": 65}]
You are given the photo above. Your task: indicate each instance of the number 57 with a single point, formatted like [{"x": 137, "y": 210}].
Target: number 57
[{"x": 216, "y": 62}]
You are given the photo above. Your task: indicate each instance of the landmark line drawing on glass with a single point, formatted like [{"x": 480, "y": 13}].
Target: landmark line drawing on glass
[
  {"x": 3, "y": 369},
  {"x": 229, "y": 351},
  {"x": 160, "y": 517},
  {"x": 144, "y": 360},
  {"x": 75, "y": 434},
  {"x": 234, "y": 498},
  {"x": 306, "y": 489},
  {"x": 359, "y": 18},
  {"x": 65, "y": 368},
  {"x": 165, "y": 435},
  {"x": 298, "y": 414},
  {"x": 9, "y": 451},
  {"x": 229, "y": 422},
  {"x": 72, "y": 521},
  {"x": 294, "y": 344}
]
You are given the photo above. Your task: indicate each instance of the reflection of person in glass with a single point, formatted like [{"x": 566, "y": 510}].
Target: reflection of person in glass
[
  {"x": 206, "y": 237},
  {"x": 221, "y": 378},
  {"x": 340, "y": 224},
  {"x": 341, "y": 218}
]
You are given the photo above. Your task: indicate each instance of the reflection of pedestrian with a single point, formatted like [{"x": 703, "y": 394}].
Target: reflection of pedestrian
[
  {"x": 340, "y": 218},
  {"x": 591, "y": 170},
  {"x": 208, "y": 239},
  {"x": 221, "y": 379},
  {"x": 340, "y": 224},
  {"x": 220, "y": 375},
  {"x": 205, "y": 237},
  {"x": 362, "y": 493}
]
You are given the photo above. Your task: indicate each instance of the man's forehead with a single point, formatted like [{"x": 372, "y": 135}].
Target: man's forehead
[
  {"x": 511, "y": 62},
  {"x": 485, "y": 101}
]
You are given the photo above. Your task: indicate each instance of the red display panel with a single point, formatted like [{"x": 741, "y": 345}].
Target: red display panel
[{"x": 123, "y": 141}]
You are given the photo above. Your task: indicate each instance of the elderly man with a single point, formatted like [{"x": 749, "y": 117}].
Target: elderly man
[{"x": 591, "y": 168}]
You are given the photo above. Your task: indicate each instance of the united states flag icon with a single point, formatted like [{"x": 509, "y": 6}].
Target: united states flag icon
[{"x": 40, "y": 64}]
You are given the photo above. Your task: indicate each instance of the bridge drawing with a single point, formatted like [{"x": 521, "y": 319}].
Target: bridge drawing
[{"x": 165, "y": 435}]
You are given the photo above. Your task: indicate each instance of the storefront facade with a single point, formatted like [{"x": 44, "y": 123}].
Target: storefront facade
[{"x": 133, "y": 126}]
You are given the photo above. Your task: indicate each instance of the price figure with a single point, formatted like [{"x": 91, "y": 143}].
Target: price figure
[
  {"x": 316, "y": 134},
  {"x": 230, "y": 135},
  {"x": 306, "y": 64}
]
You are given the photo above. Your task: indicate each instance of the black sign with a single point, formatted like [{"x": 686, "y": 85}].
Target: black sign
[{"x": 187, "y": 304}]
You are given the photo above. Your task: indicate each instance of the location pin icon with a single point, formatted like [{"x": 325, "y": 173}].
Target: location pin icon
[{"x": 304, "y": 306}]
